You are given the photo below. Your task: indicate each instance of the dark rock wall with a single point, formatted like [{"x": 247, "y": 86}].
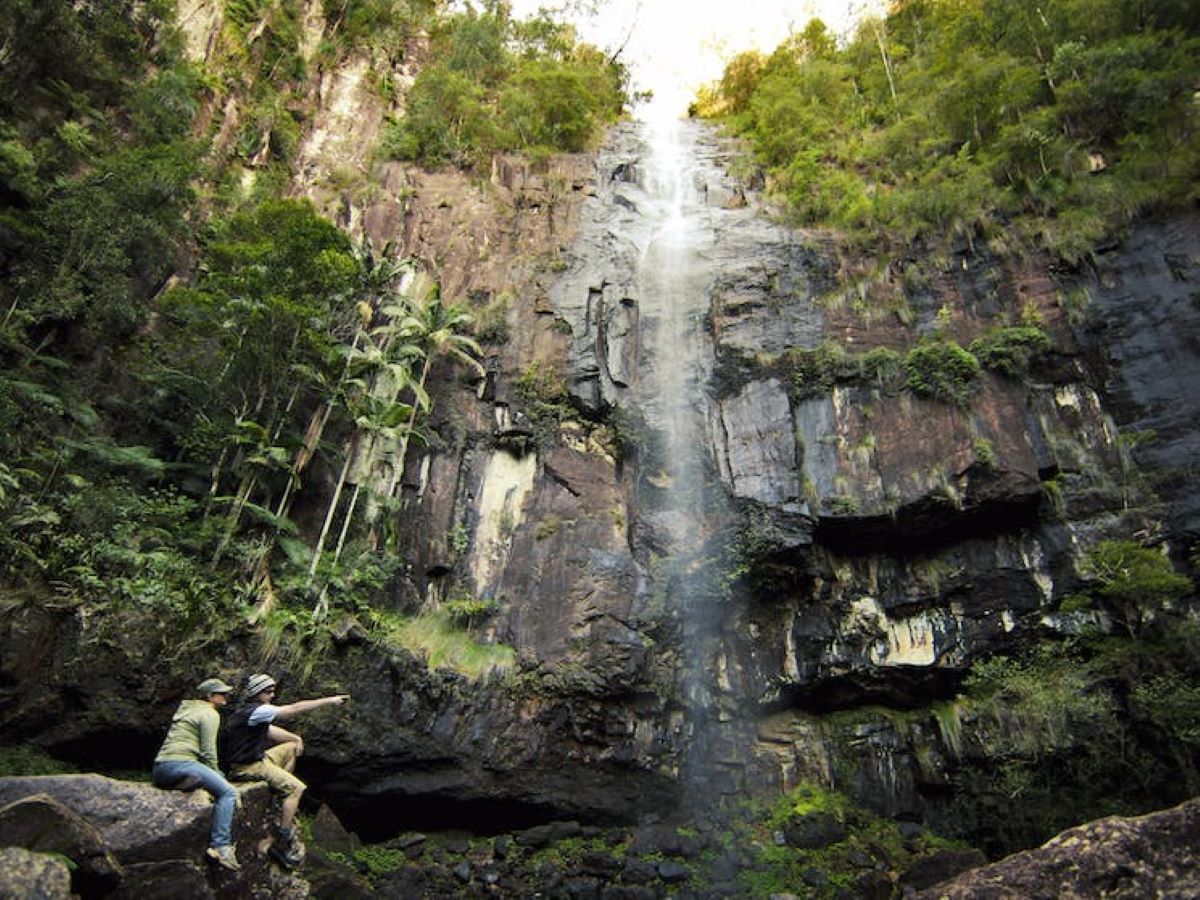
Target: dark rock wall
[
  {"x": 1141, "y": 330},
  {"x": 911, "y": 536}
]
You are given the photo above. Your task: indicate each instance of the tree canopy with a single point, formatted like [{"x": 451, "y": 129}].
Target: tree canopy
[
  {"x": 1029, "y": 124},
  {"x": 495, "y": 83}
]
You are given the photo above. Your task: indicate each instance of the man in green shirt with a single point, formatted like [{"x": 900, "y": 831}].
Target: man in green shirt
[{"x": 189, "y": 754}]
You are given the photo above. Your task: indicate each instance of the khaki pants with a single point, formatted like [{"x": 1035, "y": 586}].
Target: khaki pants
[{"x": 273, "y": 769}]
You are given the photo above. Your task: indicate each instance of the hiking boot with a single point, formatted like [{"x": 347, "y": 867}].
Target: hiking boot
[
  {"x": 224, "y": 856},
  {"x": 288, "y": 856}
]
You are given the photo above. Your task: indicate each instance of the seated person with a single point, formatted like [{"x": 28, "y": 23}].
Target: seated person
[
  {"x": 256, "y": 749},
  {"x": 188, "y": 758}
]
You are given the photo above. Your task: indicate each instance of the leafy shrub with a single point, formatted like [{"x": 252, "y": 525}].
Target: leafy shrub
[
  {"x": 545, "y": 402},
  {"x": 760, "y": 826},
  {"x": 1137, "y": 581},
  {"x": 882, "y": 364},
  {"x": 465, "y": 611},
  {"x": 985, "y": 454},
  {"x": 1037, "y": 705},
  {"x": 1074, "y": 603},
  {"x": 447, "y": 119},
  {"x": 1010, "y": 351},
  {"x": 942, "y": 370},
  {"x": 1172, "y": 703},
  {"x": 548, "y": 103}
]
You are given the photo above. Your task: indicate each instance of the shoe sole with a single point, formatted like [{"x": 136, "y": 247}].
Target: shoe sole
[{"x": 215, "y": 857}]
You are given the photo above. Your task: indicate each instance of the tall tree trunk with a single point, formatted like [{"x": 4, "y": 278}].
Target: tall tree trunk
[
  {"x": 877, "y": 27},
  {"x": 330, "y": 512},
  {"x": 304, "y": 455},
  {"x": 402, "y": 454},
  {"x": 235, "y": 515},
  {"x": 313, "y": 434}
]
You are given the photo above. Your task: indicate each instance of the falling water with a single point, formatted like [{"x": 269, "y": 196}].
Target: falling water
[
  {"x": 673, "y": 279},
  {"x": 682, "y": 498}
]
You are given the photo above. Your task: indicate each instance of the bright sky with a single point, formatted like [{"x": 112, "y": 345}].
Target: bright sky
[{"x": 676, "y": 45}]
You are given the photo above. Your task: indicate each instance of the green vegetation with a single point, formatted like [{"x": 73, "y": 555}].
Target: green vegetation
[
  {"x": 1010, "y": 351},
  {"x": 385, "y": 26},
  {"x": 942, "y": 370},
  {"x": 860, "y": 854},
  {"x": 829, "y": 866},
  {"x": 1030, "y": 126},
  {"x": 25, "y": 760},
  {"x": 938, "y": 369},
  {"x": 499, "y": 84},
  {"x": 985, "y": 454},
  {"x": 545, "y": 402},
  {"x": 465, "y": 611},
  {"x": 186, "y": 358},
  {"x": 95, "y": 173},
  {"x": 442, "y": 641},
  {"x": 816, "y": 371},
  {"x": 748, "y": 553},
  {"x": 373, "y": 860},
  {"x": 1074, "y": 603},
  {"x": 1090, "y": 726},
  {"x": 1136, "y": 582}
]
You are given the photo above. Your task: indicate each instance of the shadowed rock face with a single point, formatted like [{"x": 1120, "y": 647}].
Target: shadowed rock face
[{"x": 1143, "y": 331}]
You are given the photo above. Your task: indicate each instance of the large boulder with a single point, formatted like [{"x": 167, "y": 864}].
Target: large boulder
[
  {"x": 135, "y": 821},
  {"x": 146, "y": 842},
  {"x": 1156, "y": 855},
  {"x": 41, "y": 823}
]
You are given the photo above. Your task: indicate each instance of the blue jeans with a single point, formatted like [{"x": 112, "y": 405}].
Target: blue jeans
[{"x": 169, "y": 771}]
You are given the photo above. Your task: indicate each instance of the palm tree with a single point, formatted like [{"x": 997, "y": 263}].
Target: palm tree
[
  {"x": 437, "y": 329},
  {"x": 385, "y": 418},
  {"x": 385, "y": 372},
  {"x": 379, "y": 275}
]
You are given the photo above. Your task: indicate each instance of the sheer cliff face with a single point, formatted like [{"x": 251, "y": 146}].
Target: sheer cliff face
[
  {"x": 686, "y": 610},
  {"x": 694, "y": 553}
]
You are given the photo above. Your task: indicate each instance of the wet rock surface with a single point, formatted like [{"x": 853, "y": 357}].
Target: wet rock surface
[{"x": 1141, "y": 329}]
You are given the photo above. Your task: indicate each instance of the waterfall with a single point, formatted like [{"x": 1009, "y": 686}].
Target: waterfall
[
  {"x": 667, "y": 231},
  {"x": 683, "y": 501},
  {"x": 673, "y": 277}
]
